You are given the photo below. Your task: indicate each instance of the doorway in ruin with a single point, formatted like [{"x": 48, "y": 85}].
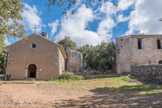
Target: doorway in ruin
[{"x": 32, "y": 70}]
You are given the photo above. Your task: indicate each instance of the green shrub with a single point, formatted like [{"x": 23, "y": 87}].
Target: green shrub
[
  {"x": 78, "y": 78},
  {"x": 67, "y": 76},
  {"x": 2, "y": 77}
]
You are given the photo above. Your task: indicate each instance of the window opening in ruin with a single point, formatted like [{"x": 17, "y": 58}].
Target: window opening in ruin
[
  {"x": 139, "y": 43},
  {"x": 118, "y": 51},
  {"x": 160, "y": 62},
  {"x": 158, "y": 44}
]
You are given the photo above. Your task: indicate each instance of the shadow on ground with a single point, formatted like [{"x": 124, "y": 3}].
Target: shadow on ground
[{"x": 124, "y": 96}]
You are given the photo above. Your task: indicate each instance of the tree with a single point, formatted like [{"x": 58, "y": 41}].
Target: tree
[
  {"x": 1, "y": 42},
  {"x": 100, "y": 57},
  {"x": 10, "y": 17},
  {"x": 3, "y": 60},
  {"x": 67, "y": 43}
]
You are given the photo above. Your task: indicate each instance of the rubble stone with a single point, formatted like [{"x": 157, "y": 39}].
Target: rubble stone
[{"x": 147, "y": 73}]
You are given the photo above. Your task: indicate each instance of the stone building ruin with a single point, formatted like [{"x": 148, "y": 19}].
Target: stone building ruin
[
  {"x": 136, "y": 50},
  {"x": 74, "y": 60}
]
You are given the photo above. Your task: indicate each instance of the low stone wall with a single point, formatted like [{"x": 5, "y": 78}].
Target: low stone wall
[{"x": 147, "y": 73}]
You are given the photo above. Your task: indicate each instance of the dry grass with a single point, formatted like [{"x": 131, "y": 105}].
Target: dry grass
[{"x": 113, "y": 91}]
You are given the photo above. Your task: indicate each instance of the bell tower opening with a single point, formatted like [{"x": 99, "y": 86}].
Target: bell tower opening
[{"x": 32, "y": 69}]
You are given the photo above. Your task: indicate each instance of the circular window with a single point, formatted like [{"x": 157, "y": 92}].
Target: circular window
[{"x": 34, "y": 45}]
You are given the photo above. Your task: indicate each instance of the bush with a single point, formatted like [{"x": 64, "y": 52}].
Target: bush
[
  {"x": 67, "y": 76},
  {"x": 78, "y": 77},
  {"x": 70, "y": 76}
]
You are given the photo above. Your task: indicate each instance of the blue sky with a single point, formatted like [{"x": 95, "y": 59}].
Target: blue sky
[{"x": 102, "y": 22}]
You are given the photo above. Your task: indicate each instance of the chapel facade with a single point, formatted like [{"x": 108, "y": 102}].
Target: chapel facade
[{"x": 36, "y": 57}]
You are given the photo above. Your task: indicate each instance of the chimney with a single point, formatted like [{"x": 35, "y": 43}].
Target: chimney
[{"x": 44, "y": 34}]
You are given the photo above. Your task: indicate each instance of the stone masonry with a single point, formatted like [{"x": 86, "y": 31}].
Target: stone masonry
[
  {"x": 74, "y": 60},
  {"x": 147, "y": 73},
  {"x": 138, "y": 50}
]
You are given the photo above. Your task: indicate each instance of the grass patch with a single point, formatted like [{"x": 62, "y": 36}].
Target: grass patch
[
  {"x": 2, "y": 77},
  {"x": 122, "y": 84}
]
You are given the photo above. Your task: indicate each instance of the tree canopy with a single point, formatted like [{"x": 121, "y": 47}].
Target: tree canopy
[
  {"x": 3, "y": 60},
  {"x": 67, "y": 43},
  {"x": 99, "y": 56},
  {"x": 10, "y": 17}
]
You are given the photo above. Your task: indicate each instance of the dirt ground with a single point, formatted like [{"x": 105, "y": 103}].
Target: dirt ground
[{"x": 97, "y": 93}]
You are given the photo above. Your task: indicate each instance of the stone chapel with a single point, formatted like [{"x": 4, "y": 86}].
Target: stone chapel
[{"x": 36, "y": 57}]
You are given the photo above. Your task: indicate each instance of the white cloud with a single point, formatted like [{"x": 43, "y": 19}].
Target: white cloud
[
  {"x": 125, "y": 4},
  {"x": 54, "y": 26},
  {"x": 108, "y": 23},
  {"x": 108, "y": 8},
  {"x": 75, "y": 27},
  {"x": 145, "y": 17},
  {"x": 105, "y": 29},
  {"x": 31, "y": 18},
  {"x": 121, "y": 18}
]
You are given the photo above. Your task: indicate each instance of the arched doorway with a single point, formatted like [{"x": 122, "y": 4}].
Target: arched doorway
[{"x": 32, "y": 70}]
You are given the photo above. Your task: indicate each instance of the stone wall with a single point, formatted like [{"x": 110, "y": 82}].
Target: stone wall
[
  {"x": 147, "y": 73},
  {"x": 74, "y": 60},
  {"x": 128, "y": 53}
]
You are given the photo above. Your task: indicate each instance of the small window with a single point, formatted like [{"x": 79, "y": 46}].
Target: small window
[
  {"x": 118, "y": 51},
  {"x": 34, "y": 45},
  {"x": 139, "y": 43},
  {"x": 158, "y": 44},
  {"x": 160, "y": 62}
]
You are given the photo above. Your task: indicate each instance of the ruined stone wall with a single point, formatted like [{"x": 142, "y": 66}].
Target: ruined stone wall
[
  {"x": 149, "y": 51},
  {"x": 74, "y": 60},
  {"x": 128, "y": 54},
  {"x": 147, "y": 73},
  {"x": 123, "y": 54}
]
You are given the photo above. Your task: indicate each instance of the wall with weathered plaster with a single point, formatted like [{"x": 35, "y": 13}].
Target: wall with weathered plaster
[
  {"x": 122, "y": 54},
  {"x": 61, "y": 62},
  {"x": 149, "y": 52},
  {"x": 130, "y": 55},
  {"x": 74, "y": 60},
  {"x": 45, "y": 56}
]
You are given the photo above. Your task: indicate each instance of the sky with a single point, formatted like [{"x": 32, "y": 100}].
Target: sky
[{"x": 101, "y": 22}]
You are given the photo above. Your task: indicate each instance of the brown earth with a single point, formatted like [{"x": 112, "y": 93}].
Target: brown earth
[{"x": 97, "y": 93}]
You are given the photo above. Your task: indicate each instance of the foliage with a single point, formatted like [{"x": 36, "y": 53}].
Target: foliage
[
  {"x": 78, "y": 77},
  {"x": 2, "y": 42},
  {"x": 99, "y": 56},
  {"x": 10, "y": 18},
  {"x": 3, "y": 60},
  {"x": 67, "y": 43},
  {"x": 67, "y": 75},
  {"x": 2, "y": 77}
]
